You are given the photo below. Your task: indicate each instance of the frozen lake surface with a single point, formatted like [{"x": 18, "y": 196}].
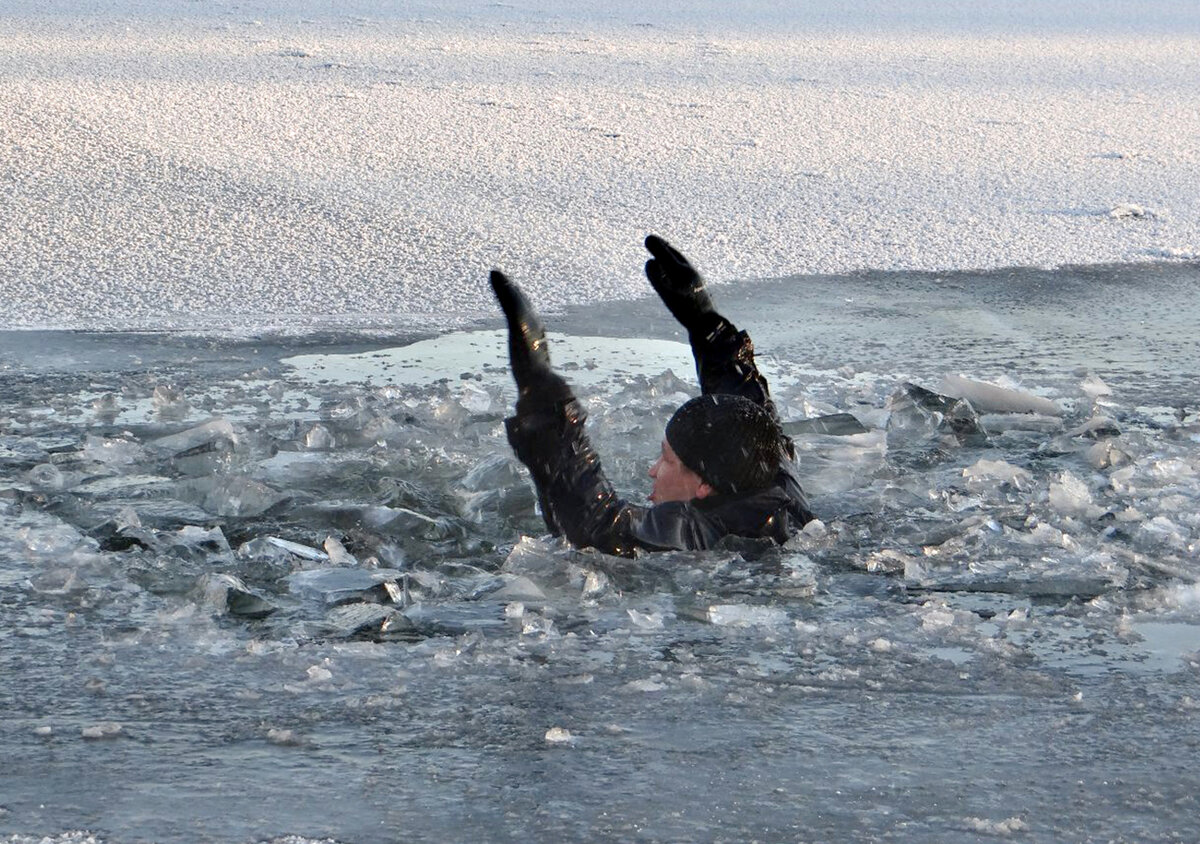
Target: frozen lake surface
[
  {"x": 171, "y": 164},
  {"x": 294, "y": 587}
]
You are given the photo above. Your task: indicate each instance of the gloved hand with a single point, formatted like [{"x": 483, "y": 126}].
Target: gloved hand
[
  {"x": 528, "y": 351},
  {"x": 678, "y": 284}
]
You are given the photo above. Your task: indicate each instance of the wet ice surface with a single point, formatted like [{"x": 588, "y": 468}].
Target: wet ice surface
[{"x": 245, "y": 597}]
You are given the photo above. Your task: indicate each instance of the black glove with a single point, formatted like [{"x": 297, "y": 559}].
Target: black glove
[
  {"x": 528, "y": 351},
  {"x": 679, "y": 285}
]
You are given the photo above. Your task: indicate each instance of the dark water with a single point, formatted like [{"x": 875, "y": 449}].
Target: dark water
[{"x": 990, "y": 636}]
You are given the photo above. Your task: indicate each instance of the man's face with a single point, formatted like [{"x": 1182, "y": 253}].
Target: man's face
[{"x": 673, "y": 481}]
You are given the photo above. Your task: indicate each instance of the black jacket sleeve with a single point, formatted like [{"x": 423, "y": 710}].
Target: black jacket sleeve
[{"x": 725, "y": 362}]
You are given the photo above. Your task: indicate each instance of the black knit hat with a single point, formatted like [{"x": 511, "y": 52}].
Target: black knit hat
[{"x": 732, "y": 443}]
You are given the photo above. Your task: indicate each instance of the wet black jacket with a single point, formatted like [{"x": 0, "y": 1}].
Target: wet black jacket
[{"x": 577, "y": 500}]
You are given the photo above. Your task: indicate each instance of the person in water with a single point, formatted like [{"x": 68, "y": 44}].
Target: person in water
[{"x": 726, "y": 467}]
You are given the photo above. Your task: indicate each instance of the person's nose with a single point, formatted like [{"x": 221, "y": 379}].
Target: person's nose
[{"x": 654, "y": 468}]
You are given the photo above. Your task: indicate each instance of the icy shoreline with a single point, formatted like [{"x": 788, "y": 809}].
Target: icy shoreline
[{"x": 176, "y": 166}]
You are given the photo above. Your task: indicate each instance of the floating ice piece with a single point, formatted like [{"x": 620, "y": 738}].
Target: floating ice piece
[
  {"x": 1095, "y": 428},
  {"x": 518, "y": 588},
  {"x": 284, "y": 738},
  {"x": 304, "y": 552},
  {"x": 47, "y": 476},
  {"x": 318, "y": 438},
  {"x": 105, "y": 730},
  {"x": 227, "y": 593},
  {"x": 835, "y": 424},
  {"x": 990, "y": 827},
  {"x": 106, "y": 408},
  {"x": 475, "y": 399},
  {"x": 1095, "y": 387},
  {"x": 113, "y": 451},
  {"x": 338, "y": 555},
  {"x": 558, "y": 735},
  {"x": 318, "y": 674},
  {"x": 992, "y": 398},
  {"x": 195, "y": 538},
  {"x": 744, "y": 615},
  {"x": 1016, "y": 576},
  {"x": 1000, "y": 423},
  {"x": 230, "y": 496},
  {"x": 493, "y": 472},
  {"x": 1070, "y": 496},
  {"x": 209, "y": 436},
  {"x": 393, "y": 521},
  {"x": 984, "y": 474},
  {"x": 645, "y": 621},
  {"x": 342, "y": 586},
  {"x": 915, "y": 412},
  {"x": 365, "y": 619},
  {"x": 1105, "y": 455}
]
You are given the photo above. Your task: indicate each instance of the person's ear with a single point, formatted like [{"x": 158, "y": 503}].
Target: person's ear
[{"x": 704, "y": 490}]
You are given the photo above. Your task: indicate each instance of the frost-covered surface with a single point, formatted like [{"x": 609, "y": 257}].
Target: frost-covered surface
[
  {"x": 245, "y": 601},
  {"x": 239, "y": 165}
]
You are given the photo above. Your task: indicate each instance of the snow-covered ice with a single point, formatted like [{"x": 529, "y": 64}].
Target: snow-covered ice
[{"x": 224, "y": 166}]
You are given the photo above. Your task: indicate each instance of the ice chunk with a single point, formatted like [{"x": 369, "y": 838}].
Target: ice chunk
[
  {"x": 229, "y": 496},
  {"x": 1000, "y": 423},
  {"x": 493, "y": 472},
  {"x": 518, "y": 588},
  {"x": 318, "y": 438},
  {"x": 387, "y": 521},
  {"x": 1070, "y": 496},
  {"x": 835, "y": 424},
  {"x": 169, "y": 402},
  {"x": 266, "y": 546},
  {"x": 365, "y": 619},
  {"x": 475, "y": 399},
  {"x": 214, "y": 435},
  {"x": 646, "y": 621},
  {"x": 318, "y": 674},
  {"x": 744, "y": 615},
  {"x": 21, "y": 452},
  {"x": 106, "y": 408},
  {"x": 342, "y": 586},
  {"x": 1001, "y": 828},
  {"x": 832, "y": 464},
  {"x": 47, "y": 476},
  {"x": 192, "y": 537},
  {"x": 991, "y": 474},
  {"x": 992, "y": 398},
  {"x": 227, "y": 593},
  {"x": 1106, "y": 455},
  {"x": 1094, "y": 387},
  {"x": 921, "y": 421},
  {"x": 105, "y": 730},
  {"x": 116, "y": 452},
  {"x": 558, "y": 735},
  {"x": 338, "y": 555},
  {"x": 649, "y": 684},
  {"x": 283, "y": 738}
]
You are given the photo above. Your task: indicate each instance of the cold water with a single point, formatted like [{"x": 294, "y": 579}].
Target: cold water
[{"x": 296, "y": 588}]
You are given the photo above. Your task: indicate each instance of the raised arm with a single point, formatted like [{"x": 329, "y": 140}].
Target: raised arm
[{"x": 724, "y": 356}]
